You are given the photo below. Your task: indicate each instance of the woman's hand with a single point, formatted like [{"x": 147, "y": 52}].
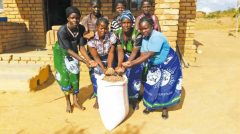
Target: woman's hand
[
  {"x": 120, "y": 70},
  {"x": 110, "y": 71},
  {"x": 92, "y": 63},
  {"x": 127, "y": 64}
]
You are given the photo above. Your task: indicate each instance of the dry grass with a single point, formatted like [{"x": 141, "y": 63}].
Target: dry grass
[{"x": 224, "y": 23}]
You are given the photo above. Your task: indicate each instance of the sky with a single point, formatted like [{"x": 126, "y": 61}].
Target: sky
[{"x": 215, "y": 5}]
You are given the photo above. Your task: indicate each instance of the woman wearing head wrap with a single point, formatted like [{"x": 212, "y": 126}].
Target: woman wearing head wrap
[
  {"x": 65, "y": 52},
  {"x": 129, "y": 41},
  {"x": 162, "y": 87},
  {"x": 120, "y": 6},
  {"x": 101, "y": 48},
  {"x": 146, "y": 6}
]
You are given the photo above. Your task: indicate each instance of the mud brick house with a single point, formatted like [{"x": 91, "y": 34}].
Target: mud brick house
[{"x": 29, "y": 22}]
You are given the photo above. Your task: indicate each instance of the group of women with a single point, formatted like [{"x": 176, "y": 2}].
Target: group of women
[{"x": 136, "y": 48}]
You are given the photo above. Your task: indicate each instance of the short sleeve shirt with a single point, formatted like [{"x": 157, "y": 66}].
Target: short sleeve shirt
[
  {"x": 90, "y": 23},
  {"x": 103, "y": 47},
  {"x": 66, "y": 39},
  {"x": 156, "y": 43}
]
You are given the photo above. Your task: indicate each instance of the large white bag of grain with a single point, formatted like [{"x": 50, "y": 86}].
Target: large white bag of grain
[{"x": 112, "y": 101}]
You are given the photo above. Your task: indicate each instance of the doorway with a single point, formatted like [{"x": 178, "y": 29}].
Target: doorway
[{"x": 55, "y": 12}]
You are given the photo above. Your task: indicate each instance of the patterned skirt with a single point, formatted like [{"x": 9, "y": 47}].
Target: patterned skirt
[
  {"x": 163, "y": 84},
  {"x": 134, "y": 76},
  {"x": 97, "y": 71},
  {"x": 67, "y": 70}
]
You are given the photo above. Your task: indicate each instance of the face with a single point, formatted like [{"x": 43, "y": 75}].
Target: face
[
  {"x": 96, "y": 8},
  {"x": 145, "y": 28},
  {"x": 146, "y": 7},
  {"x": 73, "y": 19},
  {"x": 120, "y": 8},
  {"x": 101, "y": 29},
  {"x": 126, "y": 24}
]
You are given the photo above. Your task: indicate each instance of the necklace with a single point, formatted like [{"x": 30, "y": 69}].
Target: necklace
[{"x": 75, "y": 34}]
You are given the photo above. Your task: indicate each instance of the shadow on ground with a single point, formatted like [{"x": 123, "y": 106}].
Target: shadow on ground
[{"x": 71, "y": 130}]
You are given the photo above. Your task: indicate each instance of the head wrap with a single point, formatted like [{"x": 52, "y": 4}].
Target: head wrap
[
  {"x": 127, "y": 14},
  {"x": 71, "y": 10}
]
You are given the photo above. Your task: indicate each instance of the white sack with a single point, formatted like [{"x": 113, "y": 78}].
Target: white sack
[{"x": 112, "y": 101}]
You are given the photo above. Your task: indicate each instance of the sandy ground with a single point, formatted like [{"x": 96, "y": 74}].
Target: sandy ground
[{"x": 210, "y": 101}]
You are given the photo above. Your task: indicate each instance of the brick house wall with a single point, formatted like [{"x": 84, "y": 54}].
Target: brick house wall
[
  {"x": 13, "y": 35},
  {"x": 187, "y": 15},
  {"x": 176, "y": 17},
  {"x": 29, "y": 12}
]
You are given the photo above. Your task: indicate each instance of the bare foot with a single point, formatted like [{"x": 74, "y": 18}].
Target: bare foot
[
  {"x": 75, "y": 104},
  {"x": 95, "y": 105},
  {"x": 69, "y": 108},
  {"x": 134, "y": 103},
  {"x": 165, "y": 113},
  {"x": 146, "y": 111}
]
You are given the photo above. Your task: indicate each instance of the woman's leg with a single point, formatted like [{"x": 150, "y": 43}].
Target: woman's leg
[
  {"x": 96, "y": 104},
  {"x": 76, "y": 104},
  {"x": 165, "y": 113},
  {"x": 69, "y": 107}
]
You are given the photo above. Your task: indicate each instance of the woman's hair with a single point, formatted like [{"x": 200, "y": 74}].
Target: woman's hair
[
  {"x": 123, "y": 2},
  {"x": 149, "y": 1},
  {"x": 72, "y": 9},
  {"x": 127, "y": 14},
  {"x": 98, "y": 2},
  {"x": 146, "y": 19},
  {"x": 102, "y": 19}
]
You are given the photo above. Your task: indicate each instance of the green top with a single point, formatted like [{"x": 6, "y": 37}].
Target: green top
[{"x": 128, "y": 45}]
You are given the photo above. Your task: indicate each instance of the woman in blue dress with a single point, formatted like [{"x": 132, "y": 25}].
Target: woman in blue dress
[{"x": 162, "y": 72}]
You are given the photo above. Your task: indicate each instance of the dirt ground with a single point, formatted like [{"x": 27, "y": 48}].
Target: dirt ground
[{"x": 209, "y": 104}]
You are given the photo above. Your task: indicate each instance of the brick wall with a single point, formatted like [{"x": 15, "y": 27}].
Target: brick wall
[
  {"x": 186, "y": 25},
  {"x": 31, "y": 13},
  {"x": 13, "y": 35},
  {"x": 168, "y": 15}
]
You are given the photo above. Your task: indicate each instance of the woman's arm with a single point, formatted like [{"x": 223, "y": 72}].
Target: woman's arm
[
  {"x": 76, "y": 56},
  {"x": 143, "y": 57},
  {"x": 134, "y": 53},
  {"x": 137, "y": 23},
  {"x": 110, "y": 56},
  {"x": 83, "y": 51},
  {"x": 96, "y": 57},
  {"x": 158, "y": 25},
  {"x": 120, "y": 55}
]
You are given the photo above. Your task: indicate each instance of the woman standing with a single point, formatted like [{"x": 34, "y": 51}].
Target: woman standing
[
  {"x": 101, "y": 48},
  {"x": 66, "y": 56},
  {"x": 162, "y": 87},
  {"x": 128, "y": 49},
  {"x": 146, "y": 6}
]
